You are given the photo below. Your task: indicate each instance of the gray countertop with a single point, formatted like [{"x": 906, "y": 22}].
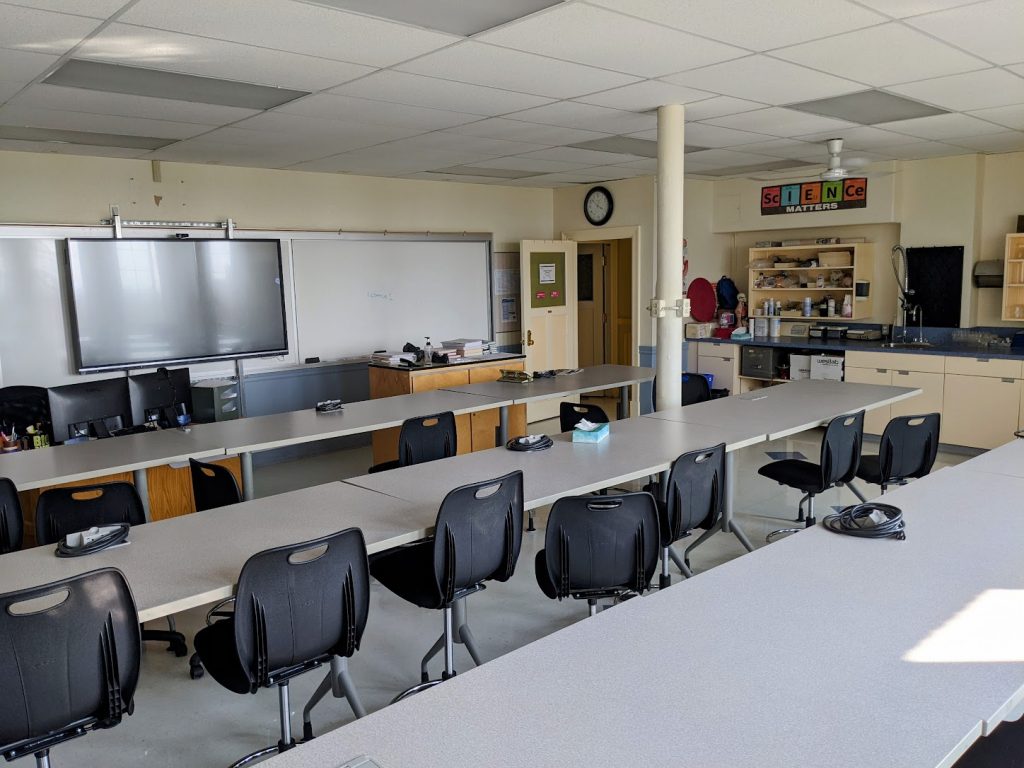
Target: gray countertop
[{"x": 846, "y": 345}]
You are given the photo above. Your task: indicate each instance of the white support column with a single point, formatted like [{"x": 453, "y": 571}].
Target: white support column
[{"x": 669, "y": 288}]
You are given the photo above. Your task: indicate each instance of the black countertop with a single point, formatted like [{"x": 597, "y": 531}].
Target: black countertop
[{"x": 847, "y": 345}]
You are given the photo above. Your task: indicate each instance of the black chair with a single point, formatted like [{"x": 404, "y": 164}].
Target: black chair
[
  {"x": 61, "y": 511},
  {"x": 296, "y": 607},
  {"x": 599, "y": 548},
  {"x": 22, "y": 406},
  {"x": 694, "y": 388},
  {"x": 907, "y": 451},
  {"x": 213, "y": 485},
  {"x": 840, "y": 457},
  {"x": 477, "y": 536},
  {"x": 423, "y": 439},
  {"x": 10, "y": 517},
  {"x": 69, "y": 662},
  {"x": 570, "y": 414},
  {"x": 693, "y": 497}
]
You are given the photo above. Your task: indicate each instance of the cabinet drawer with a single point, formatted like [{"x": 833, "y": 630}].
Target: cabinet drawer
[
  {"x": 896, "y": 361},
  {"x": 716, "y": 349},
  {"x": 984, "y": 366}
]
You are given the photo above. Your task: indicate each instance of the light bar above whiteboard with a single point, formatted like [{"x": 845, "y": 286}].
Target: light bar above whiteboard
[{"x": 355, "y": 296}]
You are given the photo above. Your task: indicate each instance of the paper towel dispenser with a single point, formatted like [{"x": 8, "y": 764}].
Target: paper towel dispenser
[{"x": 989, "y": 273}]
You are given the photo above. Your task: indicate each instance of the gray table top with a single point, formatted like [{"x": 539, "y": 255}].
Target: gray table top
[
  {"x": 591, "y": 379},
  {"x": 1005, "y": 460},
  {"x": 85, "y": 461},
  {"x": 259, "y": 433},
  {"x": 634, "y": 449},
  {"x": 787, "y": 409},
  {"x": 682, "y": 677},
  {"x": 176, "y": 564}
]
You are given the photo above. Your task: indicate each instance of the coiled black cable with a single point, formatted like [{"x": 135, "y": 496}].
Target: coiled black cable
[
  {"x": 852, "y": 521},
  {"x": 112, "y": 539},
  {"x": 518, "y": 444}
]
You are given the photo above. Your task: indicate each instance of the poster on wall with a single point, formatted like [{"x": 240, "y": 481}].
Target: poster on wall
[{"x": 814, "y": 196}]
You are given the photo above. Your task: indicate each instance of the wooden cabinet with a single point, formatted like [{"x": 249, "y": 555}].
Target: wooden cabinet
[
  {"x": 875, "y": 419},
  {"x": 1013, "y": 278},
  {"x": 720, "y": 360},
  {"x": 979, "y": 411},
  {"x": 788, "y": 282},
  {"x": 475, "y": 432}
]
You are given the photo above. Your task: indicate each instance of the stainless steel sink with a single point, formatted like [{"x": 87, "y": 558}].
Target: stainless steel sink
[{"x": 907, "y": 344}]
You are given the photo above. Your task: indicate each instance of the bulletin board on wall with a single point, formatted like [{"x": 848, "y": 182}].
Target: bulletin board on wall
[{"x": 547, "y": 280}]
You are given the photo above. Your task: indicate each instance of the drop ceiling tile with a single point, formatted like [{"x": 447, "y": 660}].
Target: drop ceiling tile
[
  {"x": 456, "y": 178},
  {"x": 420, "y": 91},
  {"x": 767, "y": 80},
  {"x": 517, "y": 130},
  {"x": 645, "y": 96},
  {"x": 943, "y": 127},
  {"x": 8, "y": 89},
  {"x": 724, "y": 158},
  {"x": 482, "y": 64},
  {"x": 891, "y": 53},
  {"x": 29, "y": 29},
  {"x": 347, "y": 134},
  {"x": 370, "y": 111},
  {"x": 569, "y": 31},
  {"x": 719, "y": 106},
  {"x": 587, "y": 176},
  {"x": 569, "y": 114},
  {"x": 530, "y": 164},
  {"x": 1010, "y": 117},
  {"x": 192, "y": 55},
  {"x": 81, "y": 121},
  {"x": 1018, "y": 68},
  {"x": 379, "y": 160},
  {"x": 715, "y": 136},
  {"x": 777, "y": 121},
  {"x": 781, "y": 148},
  {"x": 215, "y": 153},
  {"x": 757, "y": 25},
  {"x": 453, "y": 142},
  {"x": 44, "y": 96},
  {"x": 645, "y": 164},
  {"x": 583, "y": 156},
  {"x": 614, "y": 172},
  {"x": 902, "y": 8},
  {"x": 1009, "y": 141},
  {"x": 923, "y": 150},
  {"x": 294, "y": 27},
  {"x": 46, "y": 147},
  {"x": 97, "y": 9},
  {"x": 863, "y": 137},
  {"x": 855, "y": 158},
  {"x": 991, "y": 30},
  {"x": 967, "y": 92},
  {"x": 24, "y": 66}
]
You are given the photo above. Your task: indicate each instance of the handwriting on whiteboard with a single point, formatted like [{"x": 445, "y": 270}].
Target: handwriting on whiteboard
[{"x": 380, "y": 295}]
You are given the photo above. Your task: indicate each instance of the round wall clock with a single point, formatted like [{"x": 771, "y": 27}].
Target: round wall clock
[{"x": 598, "y": 206}]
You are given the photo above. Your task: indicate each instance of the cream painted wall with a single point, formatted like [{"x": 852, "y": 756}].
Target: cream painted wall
[
  {"x": 1003, "y": 202},
  {"x": 65, "y": 189}
]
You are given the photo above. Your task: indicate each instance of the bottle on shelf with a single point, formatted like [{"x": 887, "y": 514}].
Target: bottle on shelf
[{"x": 847, "y": 306}]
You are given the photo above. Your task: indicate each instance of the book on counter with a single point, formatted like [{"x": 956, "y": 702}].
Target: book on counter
[
  {"x": 466, "y": 347},
  {"x": 392, "y": 358}
]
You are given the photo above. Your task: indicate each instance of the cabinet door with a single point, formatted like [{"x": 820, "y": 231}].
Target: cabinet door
[
  {"x": 930, "y": 399},
  {"x": 979, "y": 411},
  {"x": 722, "y": 368},
  {"x": 875, "y": 419}
]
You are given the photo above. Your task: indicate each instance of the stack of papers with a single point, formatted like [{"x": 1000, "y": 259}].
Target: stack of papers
[
  {"x": 392, "y": 358},
  {"x": 465, "y": 347}
]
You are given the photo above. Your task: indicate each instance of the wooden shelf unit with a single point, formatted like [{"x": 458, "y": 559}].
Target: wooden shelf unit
[
  {"x": 1013, "y": 278},
  {"x": 862, "y": 270}
]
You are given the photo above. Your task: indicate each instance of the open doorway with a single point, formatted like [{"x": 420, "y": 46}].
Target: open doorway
[{"x": 604, "y": 274}]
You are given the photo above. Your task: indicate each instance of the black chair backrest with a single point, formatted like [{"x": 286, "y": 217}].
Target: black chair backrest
[
  {"x": 478, "y": 534},
  {"x": 694, "y": 389},
  {"x": 10, "y": 517},
  {"x": 69, "y": 656},
  {"x": 840, "y": 449},
  {"x": 61, "y": 511},
  {"x": 299, "y": 604},
  {"x": 21, "y": 406},
  {"x": 213, "y": 485},
  {"x": 602, "y": 544},
  {"x": 570, "y": 414},
  {"x": 427, "y": 438},
  {"x": 909, "y": 446},
  {"x": 695, "y": 493}
]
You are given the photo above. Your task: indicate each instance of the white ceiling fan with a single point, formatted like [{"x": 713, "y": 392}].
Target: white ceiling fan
[{"x": 836, "y": 169}]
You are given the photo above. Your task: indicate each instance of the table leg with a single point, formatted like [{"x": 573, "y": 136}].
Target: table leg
[
  {"x": 502, "y": 437},
  {"x": 142, "y": 487},
  {"x": 728, "y": 525},
  {"x": 248, "y": 483},
  {"x": 623, "y": 402}
]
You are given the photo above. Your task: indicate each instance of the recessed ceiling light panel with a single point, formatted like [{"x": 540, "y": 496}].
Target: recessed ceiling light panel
[
  {"x": 868, "y": 107},
  {"x": 497, "y": 173},
  {"x": 457, "y": 17},
  {"x": 55, "y": 136},
  {"x": 139, "y": 81}
]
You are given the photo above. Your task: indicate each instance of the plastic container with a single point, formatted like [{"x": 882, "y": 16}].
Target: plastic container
[
  {"x": 775, "y": 327},
  {"x": 808, "y": 309}
]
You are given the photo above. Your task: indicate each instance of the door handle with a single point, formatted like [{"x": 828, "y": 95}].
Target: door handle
[{"x": 529, "y": 338}]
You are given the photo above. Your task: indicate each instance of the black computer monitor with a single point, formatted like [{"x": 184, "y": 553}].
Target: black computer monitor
[
  {"x": 90, "y": 409},
  {"x": 160, "y": 396}
]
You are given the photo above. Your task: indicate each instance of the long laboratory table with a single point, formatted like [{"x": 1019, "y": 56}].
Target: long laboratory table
[
  {"x": 830, "y": 651},
  {"x": 593, "y": 379}
]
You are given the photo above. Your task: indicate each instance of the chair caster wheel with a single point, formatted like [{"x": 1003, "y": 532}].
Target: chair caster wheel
[
  {"x": 179, "y": 650},
  {"x": 195, "y": 667}
]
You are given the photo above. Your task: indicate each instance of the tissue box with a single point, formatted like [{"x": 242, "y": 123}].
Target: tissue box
[{"x": 596, "y": 435}]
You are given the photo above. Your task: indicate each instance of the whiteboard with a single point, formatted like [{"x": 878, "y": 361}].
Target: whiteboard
[{"x": 354, "y": 296}]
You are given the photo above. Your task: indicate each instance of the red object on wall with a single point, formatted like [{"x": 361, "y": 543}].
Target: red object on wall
[{"x": 703, "y": 300}]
